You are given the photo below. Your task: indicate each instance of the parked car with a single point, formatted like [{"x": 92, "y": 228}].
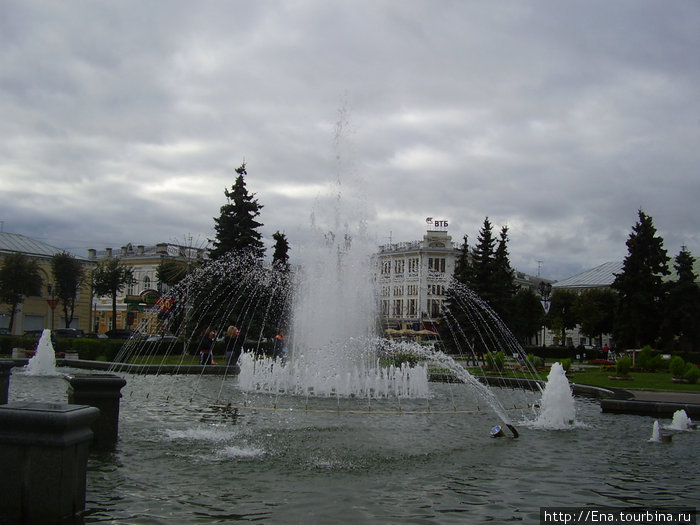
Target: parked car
[
  {"x": 93, "y": 335},
  {"x": 68, "y": 332},
  {"x": 122, "y": 333},
  {"x": 162, "y": 338}
]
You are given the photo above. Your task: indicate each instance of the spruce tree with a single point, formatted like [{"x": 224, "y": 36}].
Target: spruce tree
[
  {"x": 503, "y": 283},
  {"x": 641, "y": 287},
  {"x": 482, "y": 275},
  {"x": 463, "y": 266},
  {"x": 280, "y": 255},
  {"x": 236, "y": 227},
  {"x": 681, "y": 328}
]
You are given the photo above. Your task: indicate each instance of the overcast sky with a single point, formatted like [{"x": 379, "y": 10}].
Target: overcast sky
[{"x": 124, "y": 121}]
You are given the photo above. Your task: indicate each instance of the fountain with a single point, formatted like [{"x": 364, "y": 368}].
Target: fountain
[
  {"x": 43, "y": 362},
  {"x": 681, "y": 421},
  {"x": 342, "y": 431},
  {"x": 557, "y": 407},
  {"x": 655, "y": 432}
]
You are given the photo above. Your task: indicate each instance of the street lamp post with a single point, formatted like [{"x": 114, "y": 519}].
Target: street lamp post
[
  {"x": 544, "y": 289},
  {"x": 53, "y": 302}
]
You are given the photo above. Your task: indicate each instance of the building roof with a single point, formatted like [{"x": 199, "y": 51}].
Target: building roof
[
  {"x": 14, "y": 242},
  {"x": 597, "y": 277}
]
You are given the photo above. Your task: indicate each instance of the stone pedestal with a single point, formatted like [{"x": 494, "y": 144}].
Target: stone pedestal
[
  {"x": 5, "y": 371},
  {"x": 43, "y": 452},
  {"x": 102, "y": 391}
]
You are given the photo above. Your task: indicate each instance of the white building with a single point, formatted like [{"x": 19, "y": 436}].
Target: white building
[{"x": 412, "y": 278}]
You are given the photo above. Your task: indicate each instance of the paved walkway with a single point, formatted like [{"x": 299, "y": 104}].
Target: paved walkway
[
  {"x": 666, "y": 396},
  {"x": 659, "y": 403}
]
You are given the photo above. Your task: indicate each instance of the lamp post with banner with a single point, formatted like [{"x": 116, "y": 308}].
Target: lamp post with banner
[
  {"x": 544, "y": 289},
  {"x": 53, "y": 303}
]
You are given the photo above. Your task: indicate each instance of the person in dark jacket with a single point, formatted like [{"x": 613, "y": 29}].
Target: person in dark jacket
[
  {"x": 279, "y": 349},
  {"x": 234, "y": 340},
  {"x": 206, "y": 346}
]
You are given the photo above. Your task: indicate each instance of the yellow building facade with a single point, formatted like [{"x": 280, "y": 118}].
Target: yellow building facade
[{"x": 41, "y": 312}]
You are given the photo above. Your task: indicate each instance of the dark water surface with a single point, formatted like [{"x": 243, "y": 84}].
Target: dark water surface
[{"x": 184, "y": 456}]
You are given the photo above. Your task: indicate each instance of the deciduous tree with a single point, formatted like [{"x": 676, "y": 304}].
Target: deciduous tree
[
  {"x": 69, "y": 276},
  {"x": 110, "y": 278},
  {"x": 19, "y": 278}
]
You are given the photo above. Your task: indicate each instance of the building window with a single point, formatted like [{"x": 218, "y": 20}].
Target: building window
[
  {"x": 436, "y": 264},
  {"x": 146, "y": 283},
  {"x": 412, "y": 289},
  {"x": 413, "y": 265},
  {"x": 386, "y": 291},
  {"x": 412, "y": 308},
  {"x": 434, "y": 307},
  {"x": 399, "y": 265},
  {"x": 398, "y": 290},
  {"x": 436, "y": 289},
  {"x": 386, "y": 267},
  {"x": 385, "y": 307},
  {"x": 398, "y": 308}
]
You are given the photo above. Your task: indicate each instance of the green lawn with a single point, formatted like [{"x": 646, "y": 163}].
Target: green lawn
[
  {"x": 595, "y": 376},
  {"x": 641, "y": 380},
  {"x": 171, "y": 360}
]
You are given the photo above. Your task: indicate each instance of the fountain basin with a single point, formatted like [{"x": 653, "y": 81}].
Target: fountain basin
[{"x": 190, "y": 452}]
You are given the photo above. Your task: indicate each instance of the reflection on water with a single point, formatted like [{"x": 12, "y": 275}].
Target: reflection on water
[{"x": 192, "y": 450}]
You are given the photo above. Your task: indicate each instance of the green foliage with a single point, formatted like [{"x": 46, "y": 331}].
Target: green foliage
[
  {"x": 237, "y": 227},
  {"x": 595, "y": 311},
  {"x": 532, "y": 361},
  {"x": 528, "y": 315},
  {"x": 640, "y": 286},
  {"x": 680, "y": 328},
  {"x": 401, "y": 358},
  {"x": 677, "y": 367},
  {"x": 89, "y": 349},
  {"x": 496, "y": 361},
  {"x": 19, "y": 278},
  {"x": 691, "y": 373},
  {"x": 645, "y": 358},
  {"x": 109, "y": 279},
  {"x": 69, "y": 275},
  {"x": 280, "y": 255},
  {"x": 623, "y": 366},
  {"x": 490, "y": 274},
  {"x": 562, "y": 314},
  {"x": 566, "y": 364}
]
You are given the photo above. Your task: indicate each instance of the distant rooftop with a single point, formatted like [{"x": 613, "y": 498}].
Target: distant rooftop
[
  {"x": 14, "y": 242},
  {"x": 597, "y": 277}
]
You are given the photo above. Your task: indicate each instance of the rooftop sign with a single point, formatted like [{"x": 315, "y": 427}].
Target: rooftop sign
[{"x": 437, "y": 224}]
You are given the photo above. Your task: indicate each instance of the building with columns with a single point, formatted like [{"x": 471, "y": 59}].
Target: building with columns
[
  {"x": 135, "y": 304},
  {"x": 412, "y": 278}
]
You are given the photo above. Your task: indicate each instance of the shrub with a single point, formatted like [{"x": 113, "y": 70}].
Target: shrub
[
  {"x": 692, "y": 373},
  {"x": 566, "y": 364},
  {"x": 677, "y": 367},
  {"x": 532, "y": 361},
  {"x": 87, "y": 348},
  {"x": 622, "y": 366},
  {"x": 496, "y": 362},
  {"x": 401, "y": 358},
  {"x": 645, "y": 358}
]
